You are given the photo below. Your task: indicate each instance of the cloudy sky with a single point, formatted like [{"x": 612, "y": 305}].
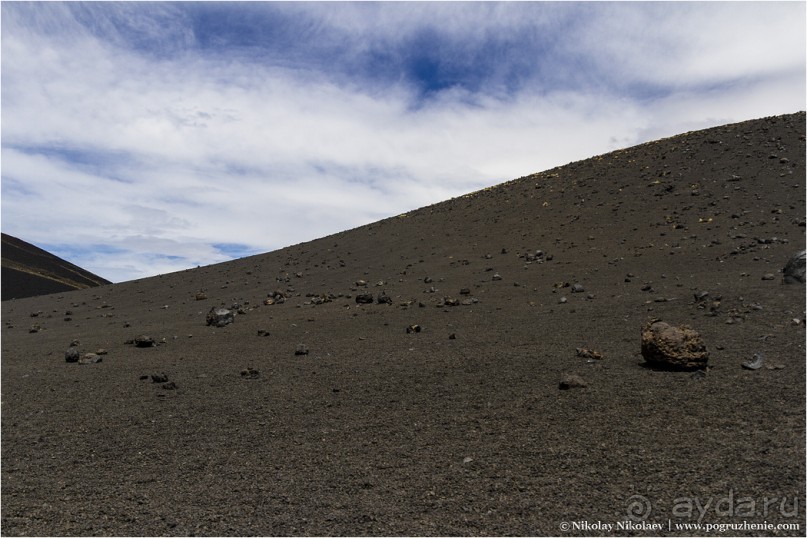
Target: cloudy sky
[{"x": 144, "y": 138}]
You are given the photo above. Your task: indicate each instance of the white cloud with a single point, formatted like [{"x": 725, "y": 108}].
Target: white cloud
[{"x": 167, "y": 156}]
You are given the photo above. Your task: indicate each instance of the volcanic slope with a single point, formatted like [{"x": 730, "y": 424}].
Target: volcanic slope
[
  {"x": 459, "y": 428},
  {"x": 28, "y": 271}
]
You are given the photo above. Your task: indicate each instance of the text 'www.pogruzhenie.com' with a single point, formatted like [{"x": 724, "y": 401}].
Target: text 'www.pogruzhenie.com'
[{"x": 656, "y": 527}]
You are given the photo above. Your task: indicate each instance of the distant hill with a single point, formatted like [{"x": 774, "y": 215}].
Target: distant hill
[{"x": 28, "y": 271}]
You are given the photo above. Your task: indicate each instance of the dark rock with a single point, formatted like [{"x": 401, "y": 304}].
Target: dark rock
[
  {"x": 263, "y": 332},
  {"x": 170, "y": 386},
  {"x": 159, "y": 378},
  {"x": 465, "y": 291},
  {"x": 276, "y": 297},
  {"x": 219, "y": 317},
  {"x": 452, "y": 336},
  {"x": 571, "y": 381},
  {"x": 795, "y": 268},
  {"x": 72, "y": 354},
  {"x": 364, "y": 298},
  {"x": 250, "y": 373},
  {"x": 679, "y": 348},
  {"x": 413, "y": 329},
  {"x": 144, "y": 341},
  {"x": 383, "y": 298}
]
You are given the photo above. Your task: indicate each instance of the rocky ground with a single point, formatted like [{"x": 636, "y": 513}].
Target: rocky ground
[{"x": 498, "y": 388}]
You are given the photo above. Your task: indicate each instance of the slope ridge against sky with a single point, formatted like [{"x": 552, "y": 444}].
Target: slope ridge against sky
[{"x": 169, "y": 135}]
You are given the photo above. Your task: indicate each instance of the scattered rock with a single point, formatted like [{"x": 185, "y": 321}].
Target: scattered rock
[
  {"x": 563, "y": 300},
  {"x": 413, "y": 329},
  {"x": 672, "y": 347},
  {"x": 465, "y": 291},
  {"x": 364, "y": 298},
  {"x": 383, "y": 298},
  {"x": 144, "y": 341},
  {"x": 571, "y": 381},
  {"x": 795, "y": 268},
  {"x": 35, "y": 329},
  {"x": 452, "y": 336},
  {"x": 302, "y": 349},
  {"x": 263, "y": 332},
  {"x": 159, "y": 378},
  {"x": 768, "y": 276},
  {"x": 276, "y": 297},
  {"x": 578, "y": 288},
  {"x": 250, "y": 373},
  {"x": 72, "y": 354},
  {"x": 497, "y": 276},
  {"x": 219, "y": 317},
  {"x": 586, "y": 353},
  {"x": 755, "y": 363},
  {"x": 90, "y": 358},
  {"x": 170, "y": 386},
  {"x": 101, "y": 351},
  {"x": 201, "y": 296}
]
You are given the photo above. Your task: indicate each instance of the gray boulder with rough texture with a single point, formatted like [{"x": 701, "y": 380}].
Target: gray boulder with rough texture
[
  {"x": 677, "y": 348},
  {"x": 794, "y": 270}
]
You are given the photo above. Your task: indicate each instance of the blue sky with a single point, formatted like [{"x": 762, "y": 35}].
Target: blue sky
[{"x": 143, "y": 138}]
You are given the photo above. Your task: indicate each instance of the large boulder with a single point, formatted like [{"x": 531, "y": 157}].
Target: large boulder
[
  {"x": 794, "y": 270},
  {"x": 677, "y": 348}
]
